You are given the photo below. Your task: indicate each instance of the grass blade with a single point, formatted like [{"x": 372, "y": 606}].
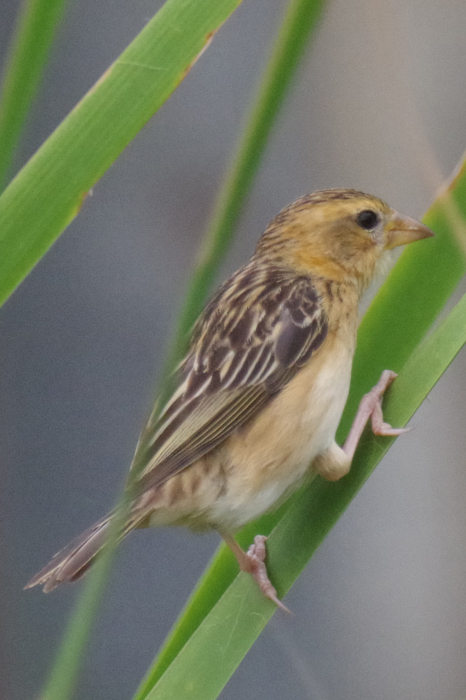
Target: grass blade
[
  {"x": 48, "y": 192},
  {"x": 61, "y": 683},
  {"x": 35, "y": 31}
]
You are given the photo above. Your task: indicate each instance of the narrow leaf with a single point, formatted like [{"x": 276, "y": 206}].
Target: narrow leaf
[
  {"x": 35, "y": 31},
  {"x": 49, "y": 191}
]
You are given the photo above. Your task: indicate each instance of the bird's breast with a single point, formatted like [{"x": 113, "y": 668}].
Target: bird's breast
[{"x": 272, "y": 454}]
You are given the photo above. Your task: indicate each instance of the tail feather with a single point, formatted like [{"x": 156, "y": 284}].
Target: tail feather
[{"x": 74, "y": 560}]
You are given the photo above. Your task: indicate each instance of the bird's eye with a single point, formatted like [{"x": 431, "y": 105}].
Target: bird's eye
[{"x": 367, "y": 219}]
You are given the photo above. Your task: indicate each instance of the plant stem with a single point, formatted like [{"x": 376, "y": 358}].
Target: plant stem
[{"x": 37, "y": 24}]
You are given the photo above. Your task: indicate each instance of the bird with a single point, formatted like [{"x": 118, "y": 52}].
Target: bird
[{"x": 261, "y": 390}]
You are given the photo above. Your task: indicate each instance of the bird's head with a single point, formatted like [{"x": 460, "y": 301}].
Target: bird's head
[{"x": 341, "y": 234}]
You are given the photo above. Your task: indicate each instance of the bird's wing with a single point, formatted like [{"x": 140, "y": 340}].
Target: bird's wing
[{"x": 261, "y": 327}]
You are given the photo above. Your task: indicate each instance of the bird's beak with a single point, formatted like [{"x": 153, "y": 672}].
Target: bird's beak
[{"x": 402, "y": 229}]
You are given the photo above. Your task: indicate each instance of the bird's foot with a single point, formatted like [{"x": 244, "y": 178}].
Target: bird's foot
[
  {"x": 373, "y": 404},
  {"x": 371, "y": 407},
  {"x": 253, "y": 562}
]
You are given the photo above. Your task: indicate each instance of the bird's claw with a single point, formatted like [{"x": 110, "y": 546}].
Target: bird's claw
[
  {"x": 254, "y": 564},
  {"x": 386, "y": 430}
]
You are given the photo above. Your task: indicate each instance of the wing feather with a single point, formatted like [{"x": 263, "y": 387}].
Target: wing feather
[{"x": 253, "y": 337}]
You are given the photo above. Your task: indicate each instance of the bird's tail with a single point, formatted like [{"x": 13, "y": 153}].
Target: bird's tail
[{"x": 74, "y": 560}]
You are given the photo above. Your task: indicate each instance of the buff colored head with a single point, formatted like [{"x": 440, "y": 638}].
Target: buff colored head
[{"x": 341, "y": 233}]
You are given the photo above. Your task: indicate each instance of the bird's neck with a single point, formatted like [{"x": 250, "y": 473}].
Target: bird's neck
[{"x": 350, "y": 270}]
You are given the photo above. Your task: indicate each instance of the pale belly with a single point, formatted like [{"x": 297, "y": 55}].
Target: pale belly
[{"x": 273, "y": 455}]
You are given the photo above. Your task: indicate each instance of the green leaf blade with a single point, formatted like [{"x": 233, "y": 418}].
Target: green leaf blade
[
  {"x": 36, "y": 27},
  {"x": 209, "y": 590},
  {"x": 48, "y": 192}
]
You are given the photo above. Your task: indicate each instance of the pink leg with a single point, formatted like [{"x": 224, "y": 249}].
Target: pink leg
[
  {"x": 371, "y": 407},
  {"x": 253, "y": 562}
]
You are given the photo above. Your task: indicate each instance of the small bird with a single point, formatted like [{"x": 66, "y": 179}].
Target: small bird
[{"x": 262, "y": 388}]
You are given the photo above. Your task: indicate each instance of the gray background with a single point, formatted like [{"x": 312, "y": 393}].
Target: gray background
[{"x": 380, "y": 105}]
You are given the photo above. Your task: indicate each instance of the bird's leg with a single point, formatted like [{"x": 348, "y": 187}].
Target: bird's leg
[
  {"x": 253, "y": 562},
  {"x": 371, "y": 407}
]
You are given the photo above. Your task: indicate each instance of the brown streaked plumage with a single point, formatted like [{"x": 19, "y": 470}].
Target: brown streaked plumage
[{"x": 262, "y": 388}]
